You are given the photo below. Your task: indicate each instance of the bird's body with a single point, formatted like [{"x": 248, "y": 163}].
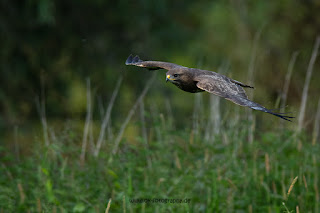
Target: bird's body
[{"x": 196, "y": 80}]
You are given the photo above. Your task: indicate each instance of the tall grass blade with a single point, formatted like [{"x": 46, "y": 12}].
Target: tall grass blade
[
  {"x": 41, "y": 107},
  {"x": 87, "y": 123},
  {"x": 306, "y": 84},
  {"x": 107, "y": 117},
  {"x": 251, "y": 70},
  {"x": 131, "y": 112},
  {"x": 287, "y": 81},
  {"x": 143, "y": 122},
  {"x": 316, "y": 128},
  {"x": 16, "y": 142},
  {"x": 291, "y": 186},
  {"x": 108, "y": 206},
  {"x": 196, "y": 113}
]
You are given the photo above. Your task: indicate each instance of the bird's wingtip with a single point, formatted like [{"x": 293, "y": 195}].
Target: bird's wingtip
[
  {"x": 133, "y": 60},
  {"x": 129, "y": 59}
]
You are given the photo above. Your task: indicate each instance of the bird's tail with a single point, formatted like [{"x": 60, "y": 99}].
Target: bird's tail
[
  {"x": 257, "y": 106},
  {"x": 253, "y": 105},
  {"x": 280, "y": 115}
]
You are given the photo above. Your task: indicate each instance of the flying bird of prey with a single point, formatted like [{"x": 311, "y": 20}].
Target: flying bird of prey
[{"x": 197, "y": 80}]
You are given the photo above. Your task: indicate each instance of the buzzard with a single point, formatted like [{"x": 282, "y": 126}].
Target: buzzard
[{"x": 197, "y": 80}]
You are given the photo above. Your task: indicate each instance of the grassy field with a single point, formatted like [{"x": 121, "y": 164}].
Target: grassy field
[{"x": 222, "y": 173}]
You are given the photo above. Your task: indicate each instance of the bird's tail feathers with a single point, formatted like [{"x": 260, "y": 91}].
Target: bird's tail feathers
[
  {"x": 271, "y": 111},
  {"x": 253, "y": 105}
]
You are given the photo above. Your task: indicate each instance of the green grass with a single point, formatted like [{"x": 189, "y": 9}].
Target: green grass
[{"x": 225, "y": 174}]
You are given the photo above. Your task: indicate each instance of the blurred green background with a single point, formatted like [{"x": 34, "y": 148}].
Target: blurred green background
[
  {"x": 49, "y": 49},
  {"x": 62, "y": 43}
]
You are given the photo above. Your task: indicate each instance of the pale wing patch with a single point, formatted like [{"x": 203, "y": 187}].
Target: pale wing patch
[{"x": 220, "y": 85}]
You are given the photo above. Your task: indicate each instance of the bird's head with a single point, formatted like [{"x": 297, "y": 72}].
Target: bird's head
[{"x": 176, "y": 76}]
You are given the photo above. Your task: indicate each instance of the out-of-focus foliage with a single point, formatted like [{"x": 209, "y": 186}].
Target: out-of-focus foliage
[
  {"x": 58, "y": 44},
  {"x": 65, "y": 42}
]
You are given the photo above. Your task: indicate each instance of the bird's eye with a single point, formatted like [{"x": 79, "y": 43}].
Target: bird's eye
[{"x": 175, "y": 75}]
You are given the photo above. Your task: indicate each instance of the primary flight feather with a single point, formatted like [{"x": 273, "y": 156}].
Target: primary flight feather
[{"x": 197, "y": 80}]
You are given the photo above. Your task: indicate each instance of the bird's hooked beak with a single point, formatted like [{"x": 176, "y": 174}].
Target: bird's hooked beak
[{"x": 169, "y": 78}]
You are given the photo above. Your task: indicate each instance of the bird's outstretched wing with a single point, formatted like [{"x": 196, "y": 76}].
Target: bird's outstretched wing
[
  {"x": 151, "y": 65},
  {"x": 220, "y": 85},
  {"x": 232, "y": 92},
  {"x": 241, "y": 84}
]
